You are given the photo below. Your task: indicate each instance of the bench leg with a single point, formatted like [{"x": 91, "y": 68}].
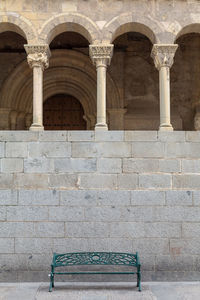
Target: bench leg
[
  {"x": 51, "y": 282},
  {"x": 139, "y": 281}
]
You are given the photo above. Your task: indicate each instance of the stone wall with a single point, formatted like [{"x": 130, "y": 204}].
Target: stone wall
[{"x": 102, "y": 191}]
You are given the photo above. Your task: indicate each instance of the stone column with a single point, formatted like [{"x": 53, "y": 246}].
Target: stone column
[
  {"x": 163, "y": 56},
  {"x": 101, "y": 56},
  {"x": 38, "y": 60}
]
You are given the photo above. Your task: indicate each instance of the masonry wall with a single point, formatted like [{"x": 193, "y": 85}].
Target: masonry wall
[{"x": 104, "y": 191}]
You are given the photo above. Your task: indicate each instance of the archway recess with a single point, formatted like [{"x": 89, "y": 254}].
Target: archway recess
[{"x": 63, "y": 112}]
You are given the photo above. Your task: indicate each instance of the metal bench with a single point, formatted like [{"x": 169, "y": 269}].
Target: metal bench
[{"x": 95, "y": 258}]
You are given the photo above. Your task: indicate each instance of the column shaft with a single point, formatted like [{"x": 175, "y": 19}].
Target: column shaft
[
  {"x": 101, "y": 96},
  {"x": 163, "y": 56},
  {"x": 37, "y": 96},
  {"x": 164, "y": 78}
]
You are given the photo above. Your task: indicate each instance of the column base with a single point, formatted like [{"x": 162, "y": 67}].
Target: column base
[
  {"x": 166, "y": 127},
  {"x": 101, "y": 127},
  {"x": 36, "y": 127}
]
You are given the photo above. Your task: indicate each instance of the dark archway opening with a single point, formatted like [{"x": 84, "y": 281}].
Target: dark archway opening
[{"x": 63, "y": 112}]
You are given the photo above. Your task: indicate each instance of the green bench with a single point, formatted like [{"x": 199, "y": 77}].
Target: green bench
[{"x": 95, "y": 258}]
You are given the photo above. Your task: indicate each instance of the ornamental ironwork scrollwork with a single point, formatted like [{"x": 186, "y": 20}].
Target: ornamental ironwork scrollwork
[{"x": 95, "y": 258}]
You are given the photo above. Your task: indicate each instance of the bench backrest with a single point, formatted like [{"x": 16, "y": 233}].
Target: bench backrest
[{"x": 95, "y": 258}]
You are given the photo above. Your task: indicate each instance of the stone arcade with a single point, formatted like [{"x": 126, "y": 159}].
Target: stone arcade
[{"x": 99, "y": 133}]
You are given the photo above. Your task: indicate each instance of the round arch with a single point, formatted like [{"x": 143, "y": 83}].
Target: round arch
[
  {"x": 69, "y": 22},
  {"x": 19, "y": 25},
  {"x": 70, "y": 72},
  {"x": 129, "y": 22},
  {"x": 190, "y": 28}
]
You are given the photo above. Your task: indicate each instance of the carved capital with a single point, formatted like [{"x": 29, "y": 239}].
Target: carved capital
[
  {"x": 163, "y": 55},
  {"x": 101, "y": 54},
  {"x": 38, "y": 55}
]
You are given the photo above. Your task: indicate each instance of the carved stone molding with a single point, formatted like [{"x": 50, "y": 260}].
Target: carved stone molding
[
  {"x": 38, "y": 55},
  {"x": 101, "y": 54},
  {"x": 163, "y": 55}
]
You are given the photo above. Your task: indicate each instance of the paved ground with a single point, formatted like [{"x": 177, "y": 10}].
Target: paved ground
[{"x": 101, "y": 291}]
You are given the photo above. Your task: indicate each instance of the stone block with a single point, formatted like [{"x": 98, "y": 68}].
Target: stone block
[
  {"x": 103, "y": 214},
  {"x": 75, "y": 165},
  {"x": 33, "y": 245},
  {"x": 178, "y": 214},
  {"x": 80, "y": 244},
  {"x": 189, "y": 181},
  {"x": 38, "y": 197},
  {"x": 137, "y": 214},
  {"x": 87, "y": 229},
  {"x": 148, "y": 149},
  {"x": 31, "y": 180},
  {"x": 127, "y": 229},
  {"x": 79, "y": 136},
  {"x": 99, "y": 181},
  {"x": 109, "y": 136},
  {"x": 155, "y": 181},
  {"x": 182, "y": 150},
  {"x": 12, "y": 165},
  {"x": 120, "y": 245},
  {"x": 17, "y": 229},
  {"x": 78, "y": 198},
  {"x": 178, "y": 198},
  {"x": 6, "y": 245},
  {"x": 100, "y": 149},
  {"x": 113, "y": 198},
  {"x": 38, "y": 165},
  {"x": 13, "y": 262},
  {"x": 140, "y": 135},
  {"x": 151, "y": 246},
  {"x": 147, "y": 198},
  {"x": 193, "y": 136},
  {"x": 191, "y": 230},
  {"x": 114, "y": 149},
  {"x": 6, "y": 181},
  {"x": 196, "y": 198},
  {"x": 85, "y": 149},
  {"x": 162, "y": 230},
  {"x": 16, "y": 149},
  {"x": 66, "y": 214},
  {"x": 191, "y": 166},
  {"x": 18, "y": 136},
  {"x": 63, "y": 181},
  {"x": 174, "y": 263},
  {"x": 49, "y": 229},
  {"x": 135, "y": 165},
  {"x": 49, "y": 149},
  {"x": 109, "y": 165},
  {"x": 2, "y": 213},
  {"x": 185, "y": 246},
  {"x": 127, "y": 181},
  {"x": 53, "y": 136},
  {"x": 2, "y": 149},
  {"x": 8, "y": 197},
  {"x": 170, "y": 165},
  {"x": 27, "y": 213},
  {"x": 171, "y": 136}
]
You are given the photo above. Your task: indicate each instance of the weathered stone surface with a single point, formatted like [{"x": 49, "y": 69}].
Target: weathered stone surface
[
  {"x": 78, "y": 198},
  {"x": 147, "y": 198},
  {"x": 81, "y": 136},
  {"x": 109, "y": 165},
  {"x": 12, "y": 165},
  {"x": 86, "y": 229},
  {"x": 24, "y": 213},
  {"x": 6, "y": 245},
  {"x": 148, "y": 149},
  {"x": 140, "y": 136},
  {"x": 22, "y": 180},
  {"x": 63, "y": 181},
  {"x": 97, "y": 181},
  {"x": 33, "y": 245},
  {"x": 38, "y": 197},
  {"x": 189, "y": 181},
  {"x": 38, "y": 165},
  {"x": 66, "y": 214},
  {"x": 8, "y": 197},
  {"x": 75, "y": 165},
  {"x": 53, "y": 136},
  {"x": 127, "y": 181},
  {"x": 155, "y": 181},
  {"x": 16, "y": 149},
  {"x": 49, "y": 149},
  {"x": 178, "y": 198},
  {"x": 135, "y": 165},
  {"x": 191, "y": 166}
]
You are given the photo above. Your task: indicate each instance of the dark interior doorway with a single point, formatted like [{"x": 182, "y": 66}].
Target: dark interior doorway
[{"x": 63, "y": 112}]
